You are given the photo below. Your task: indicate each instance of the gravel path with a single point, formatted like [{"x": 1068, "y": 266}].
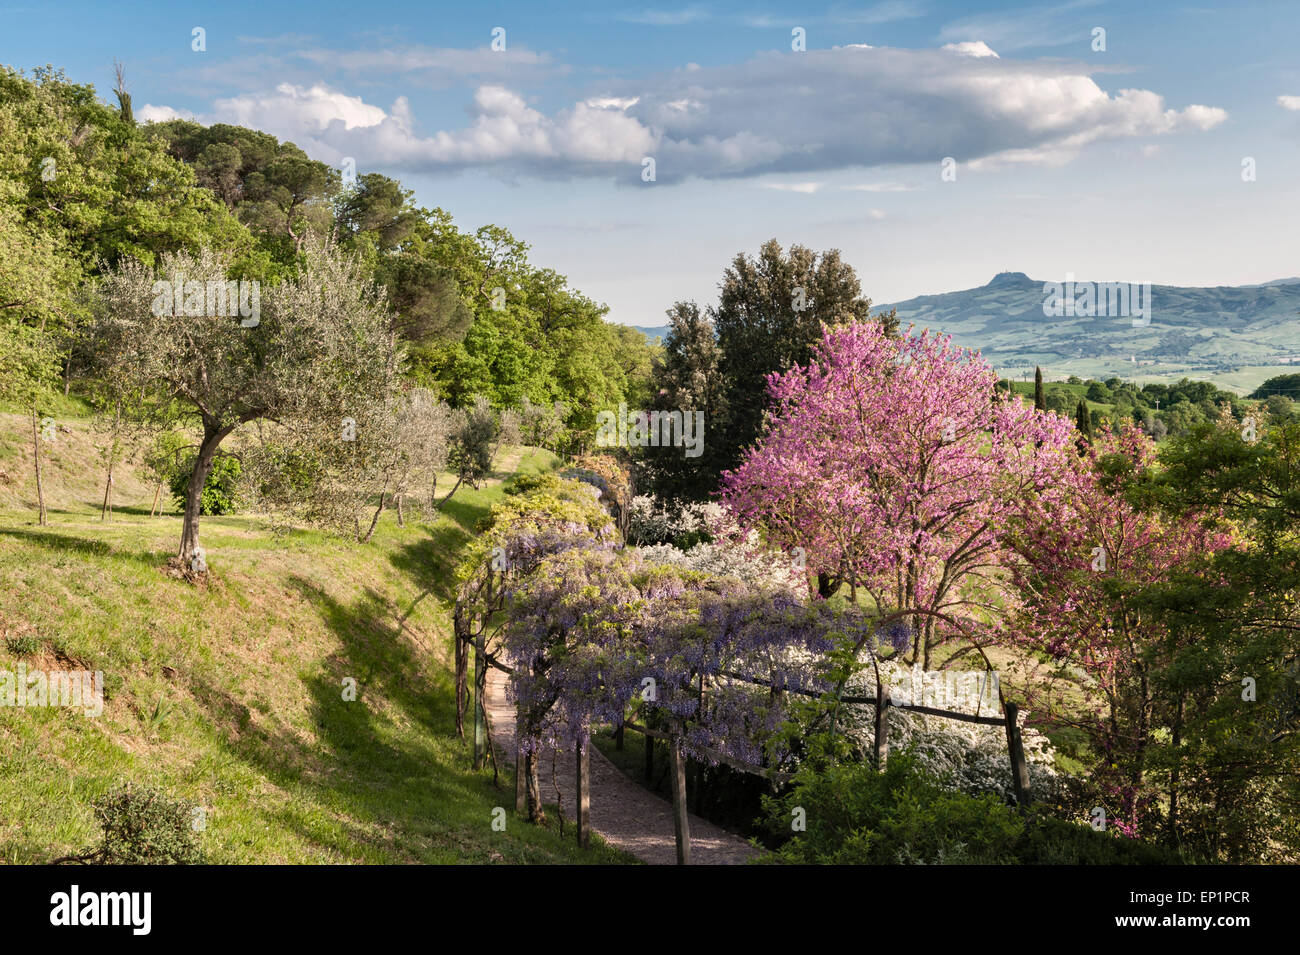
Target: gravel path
[{"x": 625, "y": 814}]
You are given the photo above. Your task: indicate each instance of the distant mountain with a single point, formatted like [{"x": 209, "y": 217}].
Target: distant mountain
[
  {"x": 1291, "y": 281},
  {"x": 1186, "y": 329},
  {"x": 652, "y": 331}
]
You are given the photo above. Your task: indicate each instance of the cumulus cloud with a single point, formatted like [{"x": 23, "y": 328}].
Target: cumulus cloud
[
  {"x": 160, "y": 114},
  {"x": 311, "y": 109},
  {"x": 1289, "y": 102},
  {"x": 798, "y": 114},
  {"x": 970, "y": 48}
]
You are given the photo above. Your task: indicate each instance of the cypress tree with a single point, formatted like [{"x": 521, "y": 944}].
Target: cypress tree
[
  {"x": 1083, "y": 420},
  {"x": 1040, "y": 399}
]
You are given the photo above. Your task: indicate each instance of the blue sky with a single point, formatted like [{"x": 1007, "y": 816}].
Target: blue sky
[{"x": 1122, "y": 164}]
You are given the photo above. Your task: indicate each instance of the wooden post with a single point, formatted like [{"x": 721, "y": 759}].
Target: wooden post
[
  {"x": 583, "y": 796},
  {"x": 1016, "y": 749},
  {"x": 882, "y": 731},
  {"x": 649, "y": 758},
  {"x": 681, "y": 824},
  {"x": 480, "y": 690},
  {"x": 521, "y": 787}
]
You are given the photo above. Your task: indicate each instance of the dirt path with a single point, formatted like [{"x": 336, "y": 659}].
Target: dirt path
[{"x": 624, "y": 813}]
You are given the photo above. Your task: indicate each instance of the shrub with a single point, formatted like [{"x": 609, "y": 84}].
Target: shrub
[
  {"x": 143, "y": 826},
  {"x": 529, "y": 483},
  {"x": 969, "y": 757},
  {"x": 219, "y": 490},
  {"x": 857, "y": 816}
]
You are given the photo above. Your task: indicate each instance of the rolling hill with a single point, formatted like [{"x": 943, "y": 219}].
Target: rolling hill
[{"x": 1198, "y": 332}]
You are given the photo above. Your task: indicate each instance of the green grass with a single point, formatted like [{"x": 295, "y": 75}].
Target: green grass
[{"x": 231, "y": 694}]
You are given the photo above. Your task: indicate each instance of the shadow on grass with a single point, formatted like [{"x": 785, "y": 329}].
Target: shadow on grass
[
  {"x": 467, "y": 514},
  {"x": 388, "y": 781},
  {"x": 85, "y": 545}
]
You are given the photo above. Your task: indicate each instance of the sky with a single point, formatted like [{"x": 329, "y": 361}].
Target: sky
[{"x": 933, "y": 143}]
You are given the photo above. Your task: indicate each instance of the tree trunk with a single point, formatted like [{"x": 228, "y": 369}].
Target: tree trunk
[
  {"x": 881, "y": 728},
  {"x": 533, "y": 783},
  {"x": 106, "y": 508},
  {"x": 157, "y": 491},
  {"x": 212, "y": 438},
  {"x": 401, "y": 518},
  {"x": 383, "y": 494},
  {"x": 36, "y": 456},
  {"x": 459, "y": 638},
  {"x": 460, "y": 480}
]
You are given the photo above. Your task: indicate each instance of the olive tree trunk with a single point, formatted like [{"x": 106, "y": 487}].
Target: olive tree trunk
[{"x": 212, "y": 438}]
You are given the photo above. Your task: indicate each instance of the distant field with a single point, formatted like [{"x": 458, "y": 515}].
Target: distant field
[{"x": 1242, "y": 381}]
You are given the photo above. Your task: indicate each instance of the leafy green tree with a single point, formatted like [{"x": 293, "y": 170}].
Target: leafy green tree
[
  {"x": 1288, "y": 385},
  {"x": 770, "y": 313},
  {"x": 476, "y": 435},
  {"x": 321, "y": 344},
  {"x": 689, "y": 378},
  {"x": 1098, "y": 392},
  {"x": 1231, "y": 759}
]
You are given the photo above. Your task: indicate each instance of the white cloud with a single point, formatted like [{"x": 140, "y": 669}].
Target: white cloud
[
  {"x": 1289, "y": 102},
  {"x": 796, "y": 114},
  {"x": 970, "y": 48},
  {"x": 808, "y": 188},
  {"x": 149, "y": 113},
  {"x": 611, "y": 102},
  {"x": 310, "y": 109}
]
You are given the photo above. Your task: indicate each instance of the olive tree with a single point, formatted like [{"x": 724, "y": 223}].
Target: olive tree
[
  {"x": 477, "y": 433},
  {"x": 306, "y": 351},
  {"x": 329, "y": 474}
]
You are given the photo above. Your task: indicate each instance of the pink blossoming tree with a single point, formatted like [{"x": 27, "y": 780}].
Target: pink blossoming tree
[{"x": 892, "y": 463}]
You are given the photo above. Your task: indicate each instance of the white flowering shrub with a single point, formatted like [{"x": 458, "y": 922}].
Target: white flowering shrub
[
  {"x": 722, "y": 560},
  {"x": 653, "y": 522},
  {"x": 969, "y": 757}
]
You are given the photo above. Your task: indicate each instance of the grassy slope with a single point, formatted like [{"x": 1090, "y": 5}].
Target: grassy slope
[{"x": 231, "y": 695}]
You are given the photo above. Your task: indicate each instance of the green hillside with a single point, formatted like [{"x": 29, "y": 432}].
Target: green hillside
[
  {"x": 229, "y": 694},
  {"x": 1235, "y": 336}
]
